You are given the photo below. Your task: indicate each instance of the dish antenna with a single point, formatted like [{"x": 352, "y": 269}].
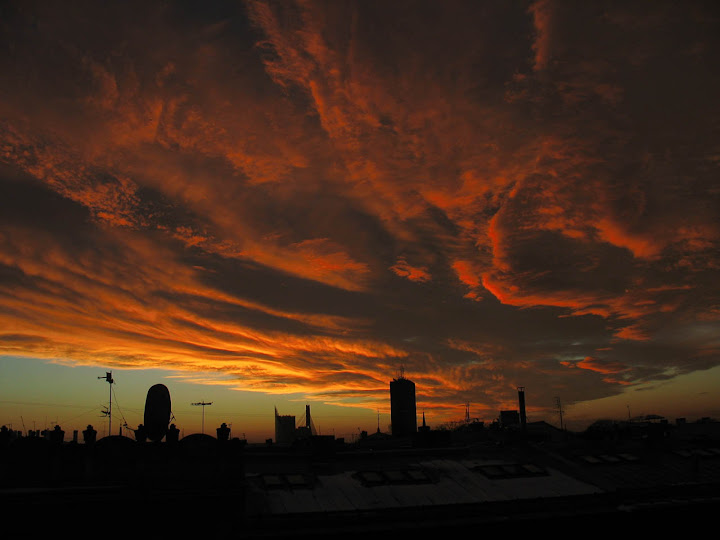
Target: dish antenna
[{"x": 157, "y": 412}]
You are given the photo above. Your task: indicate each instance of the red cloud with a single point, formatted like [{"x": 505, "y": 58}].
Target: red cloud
[
  {"x": 413, "y": 273},
  {"x": 601, "y": 366},
  {"x": 633, "y": 333},
  {"x": 466, "y": 274},
  {"x": 542, "y": 19},
  {"x": 596, "y": 364}
]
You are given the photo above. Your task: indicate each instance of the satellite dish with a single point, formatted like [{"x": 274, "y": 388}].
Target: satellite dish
[{"x": 157, "y": 412}]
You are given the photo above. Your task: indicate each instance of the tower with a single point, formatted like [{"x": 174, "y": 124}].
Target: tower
[
  {"x": 403, "y": 416},
  {"x": 521, "y": 402}
]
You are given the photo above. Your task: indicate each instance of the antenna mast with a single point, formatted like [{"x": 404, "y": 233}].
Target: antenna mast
[
  {"x": 202, "y": 404},
  {"x": 109, "y": 379}
]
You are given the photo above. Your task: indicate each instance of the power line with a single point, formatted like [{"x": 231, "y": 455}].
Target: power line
[
  {"x": 68, "y": 420},
  {"x": 42, "y": 404},
  {"x": 118, "y": 408}
]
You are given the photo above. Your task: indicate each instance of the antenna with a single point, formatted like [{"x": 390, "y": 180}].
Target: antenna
[
  {"x": 467, "y": 412},
  {"x": 202, "y": 404},
  {"x": 109, "y": 379}
]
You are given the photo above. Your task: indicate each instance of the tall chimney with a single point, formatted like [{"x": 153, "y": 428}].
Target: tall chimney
[{"x": 521, "y": 400}]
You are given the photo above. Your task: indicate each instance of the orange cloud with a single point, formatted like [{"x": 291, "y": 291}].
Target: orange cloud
[
  {"x": 611, "y": 380},
  {"x": 633, "y": 333},
  {"x": 601, "y": 366},
  {"x": 465, "y": 273},
  {"x": 615, "y": 234},
  {"x": 541, "y": 11},
  {"x": 403, "y": 269}
]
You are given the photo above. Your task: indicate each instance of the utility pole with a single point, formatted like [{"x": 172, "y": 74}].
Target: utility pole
[
  {"x": 109, "y": 379},
  {"x": 202, "y": 404}
]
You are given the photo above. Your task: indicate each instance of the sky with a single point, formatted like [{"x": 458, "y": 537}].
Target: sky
[{"x": 270, "y": 204}]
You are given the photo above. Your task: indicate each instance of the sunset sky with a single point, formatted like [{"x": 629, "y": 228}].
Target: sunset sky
[{"x": 269, "y": 204}]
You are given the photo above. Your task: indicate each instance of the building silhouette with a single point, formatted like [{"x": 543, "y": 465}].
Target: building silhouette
[
  {"x": 284, "y": 428},
  {"x": 403, "y": 416},
  {"x": 509, "y": 418}
]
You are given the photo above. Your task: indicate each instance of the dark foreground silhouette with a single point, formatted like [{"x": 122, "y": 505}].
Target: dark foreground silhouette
[{"x": 471, "y": 479}]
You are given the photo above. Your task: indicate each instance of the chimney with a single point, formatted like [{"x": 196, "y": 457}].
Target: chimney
[{"x": 521, "y": 400}]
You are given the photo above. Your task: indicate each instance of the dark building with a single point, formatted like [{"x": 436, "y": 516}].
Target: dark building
[
  {"x": 509, "y": 418},
  {"x": 403, "y": 415},
  {"x": 284, "y": 428}
]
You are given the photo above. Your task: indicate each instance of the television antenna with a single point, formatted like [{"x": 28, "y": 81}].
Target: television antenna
[
  {"x": 108, "y": 412},
  {"x": 203, "y": 404}
]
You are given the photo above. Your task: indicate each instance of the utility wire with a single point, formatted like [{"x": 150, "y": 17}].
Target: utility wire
[
  {"x": 41, "y": 404},
  {"x": 68, "y": 420},
  {"x": 117, "y": 404}
]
